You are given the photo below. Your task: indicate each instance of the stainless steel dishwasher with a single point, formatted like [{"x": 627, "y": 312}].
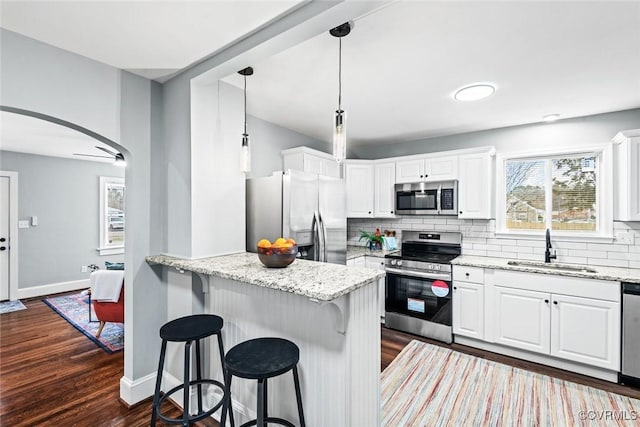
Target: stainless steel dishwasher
[{"x": 630, "y": 334}]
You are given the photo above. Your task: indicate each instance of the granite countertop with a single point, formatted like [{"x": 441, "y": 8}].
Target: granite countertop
[
  {"x": 322, "y": 281},
  {"x": 358, "y": 251},
  {"x": 617, "y": 274}
]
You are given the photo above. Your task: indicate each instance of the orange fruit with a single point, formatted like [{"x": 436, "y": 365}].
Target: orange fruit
[
  {"x": 287, "y": 244},
  {"x": 290, "y": 240},
  {"x": 264, "y": 243},
  {"x": 279, "y": 240},
  {"x": 278, "y": 244}
]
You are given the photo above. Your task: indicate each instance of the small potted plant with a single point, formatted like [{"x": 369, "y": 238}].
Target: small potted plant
[{"x": 374, "y": 240}]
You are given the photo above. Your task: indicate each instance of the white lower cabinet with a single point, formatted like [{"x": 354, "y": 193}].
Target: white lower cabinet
[
  {"x": 468, "y": 309},
  {"x": 522, "y": 319},
  {"x": 586, "y": 330}
]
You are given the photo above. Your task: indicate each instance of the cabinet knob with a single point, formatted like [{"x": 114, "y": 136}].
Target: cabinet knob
[
  {"x": 2, "y": 239},
  {"x": 2, "y": 248},
  {"x": 546, "y": 301},
  {"x": 455, "y": 287},
  {"x": 391, "y": 211},
  {"x": 421, "y": 176},
  {"x": 466, "y": 274},
  {"x": 369, "y": 211},
  {"x": 460, "y": 211},
  {"x": 555, "y": 302}
]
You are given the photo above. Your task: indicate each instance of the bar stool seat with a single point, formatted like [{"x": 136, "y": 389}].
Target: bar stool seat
[
  {"x": 261, "y": 359},
  {"x": 189, "y": 329}
]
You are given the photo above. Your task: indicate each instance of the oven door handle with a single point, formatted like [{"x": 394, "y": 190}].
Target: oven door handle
[{"x": 435, "y": 276}]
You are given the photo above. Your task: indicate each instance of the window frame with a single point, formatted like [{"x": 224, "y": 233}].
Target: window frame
[
  {"x": 105, "y": 248},
  {"x": 604, "y": 193}
]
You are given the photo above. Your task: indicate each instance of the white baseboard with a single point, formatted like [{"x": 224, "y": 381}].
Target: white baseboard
[
  {"x": 136, "y": 391},
  {"x": 53, "y": 288}
]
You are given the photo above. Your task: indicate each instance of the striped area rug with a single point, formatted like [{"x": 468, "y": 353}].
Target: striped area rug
[{"x": 428, "y": 385}]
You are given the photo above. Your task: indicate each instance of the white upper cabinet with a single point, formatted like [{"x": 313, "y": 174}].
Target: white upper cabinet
[
  {"x": 627, "y": 171},
  {"x": 384, "y": 192},
  {"x": 427, "y": 169},
  {"x": 359, "y": 181},
  {"x": 309, "y": 160},
  {"x": 476, "y": 189}
]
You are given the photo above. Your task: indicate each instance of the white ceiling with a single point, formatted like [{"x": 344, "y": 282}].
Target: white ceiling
[
  {"x": 150, "y": 38},
  {"x": 402, "y": 64},
  {"x": 25, "y": 134}
]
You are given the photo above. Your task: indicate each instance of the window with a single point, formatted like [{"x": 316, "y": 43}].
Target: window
[
  {"x": 569, "y": 193},
  {"x": 111, "y": 215}
]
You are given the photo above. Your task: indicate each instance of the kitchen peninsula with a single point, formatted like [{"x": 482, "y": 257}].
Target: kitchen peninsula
[{"x": 331, "y": 313}]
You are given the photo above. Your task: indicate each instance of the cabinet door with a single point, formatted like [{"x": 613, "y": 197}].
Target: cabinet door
[
  {"x": 522, "y": 319},
  {"x": 359, "y": 180},
  {"x": 586, "y": 330},
  {"x": 468, "y": 309},
  {"x": 475, "y": 187},
  {"x": 330, "y": 168},
  {"x": 356, "y": 262},
  {"x": 441, "y": 168},
  {"x": 312, "y": 164},
  {"x": 409, "y": 171},
  {"x": 384, "y": 193}
]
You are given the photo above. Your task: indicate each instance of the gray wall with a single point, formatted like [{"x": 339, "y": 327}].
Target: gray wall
[
  {"x": 579, "y": 131},
  {"x": 125, "y": 108},
  {"x": 268, "y": 139},
  {"x": 64, "y": 194}
]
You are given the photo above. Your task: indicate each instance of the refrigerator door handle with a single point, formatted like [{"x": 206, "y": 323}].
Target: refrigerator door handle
[
  {"x": 323, "y": 239},
  {"x": 315, "y": 227}
]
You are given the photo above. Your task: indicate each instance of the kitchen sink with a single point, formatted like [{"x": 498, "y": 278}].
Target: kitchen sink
[{"x": 557, "y": 267}]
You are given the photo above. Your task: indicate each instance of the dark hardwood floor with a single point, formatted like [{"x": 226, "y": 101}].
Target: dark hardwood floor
[{"x": 52, "y": 375}]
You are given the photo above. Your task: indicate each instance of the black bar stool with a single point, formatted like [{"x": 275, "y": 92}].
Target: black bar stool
[
  {"x": 188, "y": 329},
  {"x": 261, "y": 359}
]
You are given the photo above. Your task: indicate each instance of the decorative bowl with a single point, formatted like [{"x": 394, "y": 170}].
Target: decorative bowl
[{"x": 277, "y": 257}]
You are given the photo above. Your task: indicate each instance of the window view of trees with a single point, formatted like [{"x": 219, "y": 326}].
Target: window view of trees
[{"x": 573, "y": 193}]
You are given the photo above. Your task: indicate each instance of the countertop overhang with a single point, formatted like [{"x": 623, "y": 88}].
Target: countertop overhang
[
  {"x": 616, "y": 274},
  {"x": 317, "y": 280}
]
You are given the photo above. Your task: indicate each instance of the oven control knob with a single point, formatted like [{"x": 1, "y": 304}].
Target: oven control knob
[
  {"x": 436, "y": 267},
  {"x": 399, "y": 262},
  {"x": 392, "y": 262}
]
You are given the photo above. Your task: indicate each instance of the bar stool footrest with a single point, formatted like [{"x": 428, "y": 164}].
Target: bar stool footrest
[
  {"x": 270, "y": 420},
  {"x": 197, "y": 417}
]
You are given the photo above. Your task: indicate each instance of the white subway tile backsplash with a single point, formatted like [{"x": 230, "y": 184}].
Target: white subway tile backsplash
[
  {"x": 519, "y": 249},
  {"x": 474, "y": 252},
  {"x": 532, "y": 243},
  {"x": 570, "y": 245},
  {"x": 502, "y": 242},
  {"x": 502, "y": 254},
  {"x": 588, "y": 254},
  {"x": 426, "y": 227},
  {"x": 634, "y": 264},
  {"x": 530, "y": 257},
  {"x": 617, "y": 255},
  {"x": 607, "y": 247},
  {"x": 572, "y": 260}
]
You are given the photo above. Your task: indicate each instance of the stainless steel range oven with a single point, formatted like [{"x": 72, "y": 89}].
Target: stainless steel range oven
[{"x": 418, "y": 284}]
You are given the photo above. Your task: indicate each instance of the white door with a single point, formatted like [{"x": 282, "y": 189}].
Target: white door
[
  {"x": 468, "y": 309},
  {"x": 522, "y": 319},
  {"x": 409, "y": 171},
  {"x": 475, "y": 188},
  {"x": 586, "y": 330},
  {"x": 359, "y": 181},
  {"x": 4, "y": 238},
  {"x": 441, "y": 168},
  {"x": 384, "y": 194}
]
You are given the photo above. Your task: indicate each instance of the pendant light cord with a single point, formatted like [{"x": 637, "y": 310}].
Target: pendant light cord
[
  {"x": 245, "y": 104},
  {"x": 340, "y": 74}
]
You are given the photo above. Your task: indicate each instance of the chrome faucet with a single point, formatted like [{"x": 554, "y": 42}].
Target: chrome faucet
[{"x": 547, "y": 253}]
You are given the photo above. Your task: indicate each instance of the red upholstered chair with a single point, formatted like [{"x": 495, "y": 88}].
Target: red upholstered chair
[{"x": 109, "y": 311}]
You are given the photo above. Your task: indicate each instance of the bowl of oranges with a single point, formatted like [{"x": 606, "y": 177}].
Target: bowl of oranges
[{"x": 278, "y": 254}]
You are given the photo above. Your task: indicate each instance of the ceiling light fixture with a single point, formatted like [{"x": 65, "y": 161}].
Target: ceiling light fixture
[
  {"x": 551, "y": 118},
  {"x": 245, "y": 155},
  {"x": 474, "y": 92},
  {"x": 340, "y": 119}
]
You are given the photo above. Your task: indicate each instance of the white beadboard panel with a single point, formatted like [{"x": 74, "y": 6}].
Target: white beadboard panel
[{"x": 339, "y": 373}]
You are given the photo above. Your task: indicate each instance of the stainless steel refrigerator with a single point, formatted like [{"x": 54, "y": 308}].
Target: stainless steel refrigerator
[{"x": 306, "y": 207}]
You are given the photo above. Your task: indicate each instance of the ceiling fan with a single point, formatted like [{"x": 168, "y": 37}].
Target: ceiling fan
[{"x": 118, "y": 157}]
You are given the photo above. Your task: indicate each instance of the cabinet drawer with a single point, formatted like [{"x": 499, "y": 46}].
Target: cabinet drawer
[{"x": 468, "y": 274}]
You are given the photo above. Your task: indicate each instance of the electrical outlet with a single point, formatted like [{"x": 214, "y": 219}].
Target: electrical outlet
[{"x": 84, "y": 269}]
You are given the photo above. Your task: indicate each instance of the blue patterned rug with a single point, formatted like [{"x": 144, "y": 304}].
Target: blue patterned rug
[
  {"x": 75, "y": 310},
  {"x": 9, "y": 306}
]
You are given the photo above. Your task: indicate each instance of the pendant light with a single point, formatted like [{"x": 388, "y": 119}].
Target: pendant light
[
  {"x": 245, "y": 155},
  {"x": 340, "y": 119}
]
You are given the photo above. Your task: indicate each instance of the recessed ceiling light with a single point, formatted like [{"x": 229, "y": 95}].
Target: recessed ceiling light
[
  {"x": 551, "y": 117},
  {"x": 474, "y": 92}
]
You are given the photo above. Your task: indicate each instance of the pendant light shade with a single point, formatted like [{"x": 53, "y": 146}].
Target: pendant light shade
[
  {"x": 340, "y": 119},
  {"x": 245, "y": 154}
]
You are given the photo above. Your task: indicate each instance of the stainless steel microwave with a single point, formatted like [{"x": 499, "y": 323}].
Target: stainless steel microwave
[{"x": 427, "y": 198}]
